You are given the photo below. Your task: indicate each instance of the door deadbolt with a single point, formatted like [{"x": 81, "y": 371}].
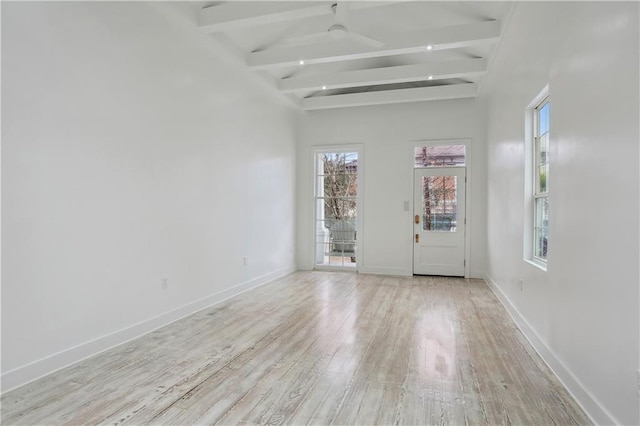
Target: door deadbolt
[
  {"x": 417, "y": 238},
  {"x": 417, "y": 219}
]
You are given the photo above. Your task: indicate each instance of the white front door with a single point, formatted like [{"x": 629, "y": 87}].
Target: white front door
[{"x": 439, "y": 221}]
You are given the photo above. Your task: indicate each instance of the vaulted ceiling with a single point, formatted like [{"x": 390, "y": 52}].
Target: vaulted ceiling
[{"x": 330, "y": 54}]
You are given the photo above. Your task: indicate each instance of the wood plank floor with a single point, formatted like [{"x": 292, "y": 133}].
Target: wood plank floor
[{"x": 316, "y": 348}]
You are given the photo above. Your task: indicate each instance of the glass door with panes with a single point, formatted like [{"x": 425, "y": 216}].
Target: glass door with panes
[{"x": 336, "y": 190}]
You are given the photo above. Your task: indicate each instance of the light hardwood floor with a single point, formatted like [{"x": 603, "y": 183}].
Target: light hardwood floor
[{"x": 319, "y": 348}]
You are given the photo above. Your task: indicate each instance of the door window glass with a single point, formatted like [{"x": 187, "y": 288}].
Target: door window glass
[{"x": 439, "y": 206}]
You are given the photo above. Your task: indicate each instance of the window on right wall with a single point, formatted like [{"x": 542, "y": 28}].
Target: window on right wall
[{"x": 540, "y": 179}]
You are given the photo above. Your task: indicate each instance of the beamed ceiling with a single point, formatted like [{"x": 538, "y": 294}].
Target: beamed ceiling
[{"x": 329, "y": 54}]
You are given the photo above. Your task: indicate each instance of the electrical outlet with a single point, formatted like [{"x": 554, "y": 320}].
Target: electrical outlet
[
  {"x": 245, "y": 261},
  {"x": 164, "y": 283},
  {"x": 521, "y": 284}
]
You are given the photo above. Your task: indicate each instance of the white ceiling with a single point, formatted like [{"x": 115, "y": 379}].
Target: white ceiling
[{"x": 350, "y": 69}]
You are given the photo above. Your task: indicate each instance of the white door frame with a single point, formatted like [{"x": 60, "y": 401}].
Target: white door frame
[
  {"x": 358, "y": 148},
  {"x": 439, "y": 142}
]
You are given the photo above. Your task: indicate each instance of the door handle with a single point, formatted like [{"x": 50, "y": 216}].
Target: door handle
[
  {"x": 417, "y": 219},
  {"x": 417, "y": 238}
]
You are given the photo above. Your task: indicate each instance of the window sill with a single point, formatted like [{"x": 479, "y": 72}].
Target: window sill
[{"x": 540, "y": 265}]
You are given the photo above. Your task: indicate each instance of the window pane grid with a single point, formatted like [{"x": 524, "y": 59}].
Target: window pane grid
[
  {"x": 541, "y": 227},
  {"x": 336, "y": 209},
  {"x": 541, "y": 181},
  {"x": 542, "y": 163}
]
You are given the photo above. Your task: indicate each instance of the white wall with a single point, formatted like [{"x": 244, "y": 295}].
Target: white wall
[
  {"x": 132, "y": 152},
  {"x": 582, "y": 314},
  {"x": 386, "y": 133}
]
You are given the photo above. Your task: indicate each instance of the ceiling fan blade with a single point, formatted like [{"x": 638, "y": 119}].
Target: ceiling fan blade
[
  {"x": 341, "y": 13},
  {"x": 364, "y": 39},
  {"x": 305, "y": 39}
]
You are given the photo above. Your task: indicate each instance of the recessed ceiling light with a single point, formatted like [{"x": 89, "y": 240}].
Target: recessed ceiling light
[
  {"x": 324, "y": 87},
  {"x": 430, "y": 77},
  {"x": 429, "y": 47},
  {"x": 301, "y": 62}
]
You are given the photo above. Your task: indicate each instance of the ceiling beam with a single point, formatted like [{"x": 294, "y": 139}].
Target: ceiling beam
[
  {"x": 453, "y": 91},
  {"x": 234, "y": 15},
  {"x": 240, "y": 14},
  {"x": 395, "y": 44},
  {"x": 387, "y": 75}
]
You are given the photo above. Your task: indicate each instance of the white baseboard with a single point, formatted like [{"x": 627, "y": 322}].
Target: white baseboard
[
  {"x": 27, "y": 373},
  {"x": 405, "y": 272},
  {"x": 305, "y": 268},
  {"x": 385, "y": 270},
  {"x": 477, "y": 274},
  {"x": 598, "y": 414}
]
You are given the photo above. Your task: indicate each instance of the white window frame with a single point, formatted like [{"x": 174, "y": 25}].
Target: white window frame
[{"x": 532, "y": 178}]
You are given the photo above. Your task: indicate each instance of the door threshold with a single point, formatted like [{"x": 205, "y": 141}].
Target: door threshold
[{"x": 329, "y": 268}]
